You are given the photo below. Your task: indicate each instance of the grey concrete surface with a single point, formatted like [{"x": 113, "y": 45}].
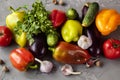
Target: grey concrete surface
[{"x": 110, "y": 70}]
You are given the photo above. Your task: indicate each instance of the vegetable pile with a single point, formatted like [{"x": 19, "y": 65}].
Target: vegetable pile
[{"x": 68, "y": 38}]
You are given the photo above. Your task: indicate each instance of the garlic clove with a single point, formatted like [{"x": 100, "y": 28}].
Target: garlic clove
[{"x": 68, "y": 70}]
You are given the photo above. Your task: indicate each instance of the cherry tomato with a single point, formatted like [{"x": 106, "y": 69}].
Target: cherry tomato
[
  {"x": 5, "y": 36},
  {"x": 111, "y": 48},
  {"x": 21, "y": 58}
]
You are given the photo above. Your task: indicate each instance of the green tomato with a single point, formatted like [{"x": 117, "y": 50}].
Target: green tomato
[
  {"x": 52, "y": 39},
  {"x": 13, "y": 18},
  {"x": 71, "y": 13},
  {"x": 71, "y": 30}
]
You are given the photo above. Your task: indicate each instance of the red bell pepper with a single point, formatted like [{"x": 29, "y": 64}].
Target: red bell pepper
[
  {"x": 70, "y": 54},
  {"x": 57, "y": 17},
  {"x": 21, "y": 58},
  {"x": 111, "y": 48}
]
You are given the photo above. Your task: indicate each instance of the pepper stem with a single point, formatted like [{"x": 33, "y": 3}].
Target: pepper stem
[
  {"x": 33, "y": 67},
  {"x": 11, "y": 9}
]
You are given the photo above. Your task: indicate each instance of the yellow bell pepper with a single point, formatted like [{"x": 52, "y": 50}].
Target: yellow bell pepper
[
  {"x": 11, "y": 22},
  {"x": 107, "y": 21},
  {"x": 21, "y": 40},
  {"x": 13, "y": 18}
]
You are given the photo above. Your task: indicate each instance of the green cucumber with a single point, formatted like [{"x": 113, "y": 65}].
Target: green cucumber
[{"x": 91, "y": 13}]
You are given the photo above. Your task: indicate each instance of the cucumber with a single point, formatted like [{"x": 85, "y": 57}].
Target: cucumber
[{"x": 91, "y": 13}]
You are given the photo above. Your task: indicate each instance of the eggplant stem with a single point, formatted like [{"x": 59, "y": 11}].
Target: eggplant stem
[
  {"x": 87, "y": 4},
  {"x": 36, "y": 59}
]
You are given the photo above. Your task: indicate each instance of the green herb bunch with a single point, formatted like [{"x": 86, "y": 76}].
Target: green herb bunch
[{"x": 35, "y": 21}]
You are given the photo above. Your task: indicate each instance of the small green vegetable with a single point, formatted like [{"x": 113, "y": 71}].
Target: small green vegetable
[
  {"x": 35, "y": 21},
  {"x": 91, "y": 14},
  {"x": 52, "y": 39},
  {"x": 71, "y": 13}
]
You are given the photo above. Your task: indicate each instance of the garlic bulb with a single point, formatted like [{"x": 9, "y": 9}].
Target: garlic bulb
[
  {"x": 84, "y": 42},
  {"x": 46, "y": 66}
]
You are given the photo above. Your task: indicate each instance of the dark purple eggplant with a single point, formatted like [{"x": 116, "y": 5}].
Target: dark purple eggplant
[
  {"x": 95, "y": 49},
  {"x": 39, "y": 47}
]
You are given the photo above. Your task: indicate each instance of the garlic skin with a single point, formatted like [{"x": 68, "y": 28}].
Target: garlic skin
[
  {"x": 84, "y": 42},
  {"x": 46, "y": 66}
]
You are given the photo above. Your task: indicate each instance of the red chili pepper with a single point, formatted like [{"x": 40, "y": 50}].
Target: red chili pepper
[
  {"x": 21, "y": 58},
  {"x": 70, "y": 54},
  {"x": 111, "y": 48}
]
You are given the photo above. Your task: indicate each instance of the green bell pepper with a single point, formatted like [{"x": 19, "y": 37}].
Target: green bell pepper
[{"x": 71, "y": 30}]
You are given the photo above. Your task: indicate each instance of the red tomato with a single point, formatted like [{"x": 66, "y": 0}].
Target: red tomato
[
  {"x": 21, "y": 58},
  {"x": 5, "y": 36},
  {"x": 111, "y": 48},
  {"x": 57, "y": 17}
]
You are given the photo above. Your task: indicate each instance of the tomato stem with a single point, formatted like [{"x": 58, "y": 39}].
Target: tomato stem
[
  {"x": 1, "y": 34},
  {"x": 115, "y": 45}
]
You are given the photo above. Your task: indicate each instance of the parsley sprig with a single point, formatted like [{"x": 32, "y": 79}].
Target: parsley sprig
[{"x": 35, "y": 21}]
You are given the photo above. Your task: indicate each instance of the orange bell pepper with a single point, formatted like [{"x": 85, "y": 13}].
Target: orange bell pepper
[{"x": 107, "y": 21}]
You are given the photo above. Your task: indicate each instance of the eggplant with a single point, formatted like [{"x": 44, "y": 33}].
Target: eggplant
[
  {"x": 95, "y": 49},
  {"x": 39, "y": 47}
]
